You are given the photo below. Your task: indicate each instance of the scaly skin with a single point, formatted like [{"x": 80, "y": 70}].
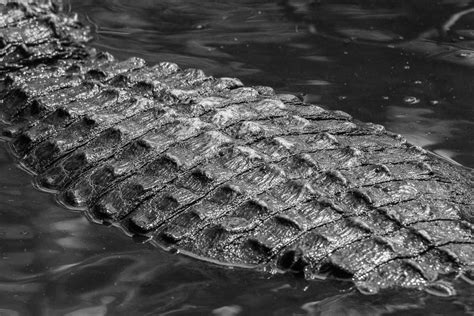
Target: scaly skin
[{"x": 237, "y": 175}]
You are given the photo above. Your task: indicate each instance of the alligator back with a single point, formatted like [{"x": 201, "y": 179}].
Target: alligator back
[{"x": 236, "y": 175}]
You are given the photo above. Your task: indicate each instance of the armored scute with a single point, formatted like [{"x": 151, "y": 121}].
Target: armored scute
[{"x": 236, "y": 175}]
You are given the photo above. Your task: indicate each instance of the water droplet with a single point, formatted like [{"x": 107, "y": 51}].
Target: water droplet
[{"x": 411, "y": 100}]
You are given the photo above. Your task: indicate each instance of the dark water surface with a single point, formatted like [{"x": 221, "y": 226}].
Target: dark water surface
[{"x": 406, "y": 64}]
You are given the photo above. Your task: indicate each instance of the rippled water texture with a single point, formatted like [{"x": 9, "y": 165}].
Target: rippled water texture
[{"x": 406, "y": 64}]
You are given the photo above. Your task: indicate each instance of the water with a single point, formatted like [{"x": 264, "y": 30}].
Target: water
[{"x": 408, "y": 65}]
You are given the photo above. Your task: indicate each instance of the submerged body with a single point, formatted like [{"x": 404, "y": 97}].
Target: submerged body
[{"x": 236, "y": 175}]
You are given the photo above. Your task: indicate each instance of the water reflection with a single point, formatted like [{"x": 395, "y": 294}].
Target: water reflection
[{"x": 388, "y": 62}]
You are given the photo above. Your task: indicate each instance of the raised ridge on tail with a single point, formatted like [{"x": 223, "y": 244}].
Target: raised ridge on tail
[{"x": 238, "y": 175}]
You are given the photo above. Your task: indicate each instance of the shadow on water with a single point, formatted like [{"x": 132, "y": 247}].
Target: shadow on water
[{"x": 404, "y": 64}]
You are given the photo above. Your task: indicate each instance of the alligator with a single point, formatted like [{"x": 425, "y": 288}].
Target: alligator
[{"x": 235, "y": 175}]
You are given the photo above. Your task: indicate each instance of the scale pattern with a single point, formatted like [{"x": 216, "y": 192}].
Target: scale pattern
[{"x": 237, "y": 175}]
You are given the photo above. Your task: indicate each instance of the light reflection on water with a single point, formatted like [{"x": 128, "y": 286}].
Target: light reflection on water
[{"x": 337, "y": 53}]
